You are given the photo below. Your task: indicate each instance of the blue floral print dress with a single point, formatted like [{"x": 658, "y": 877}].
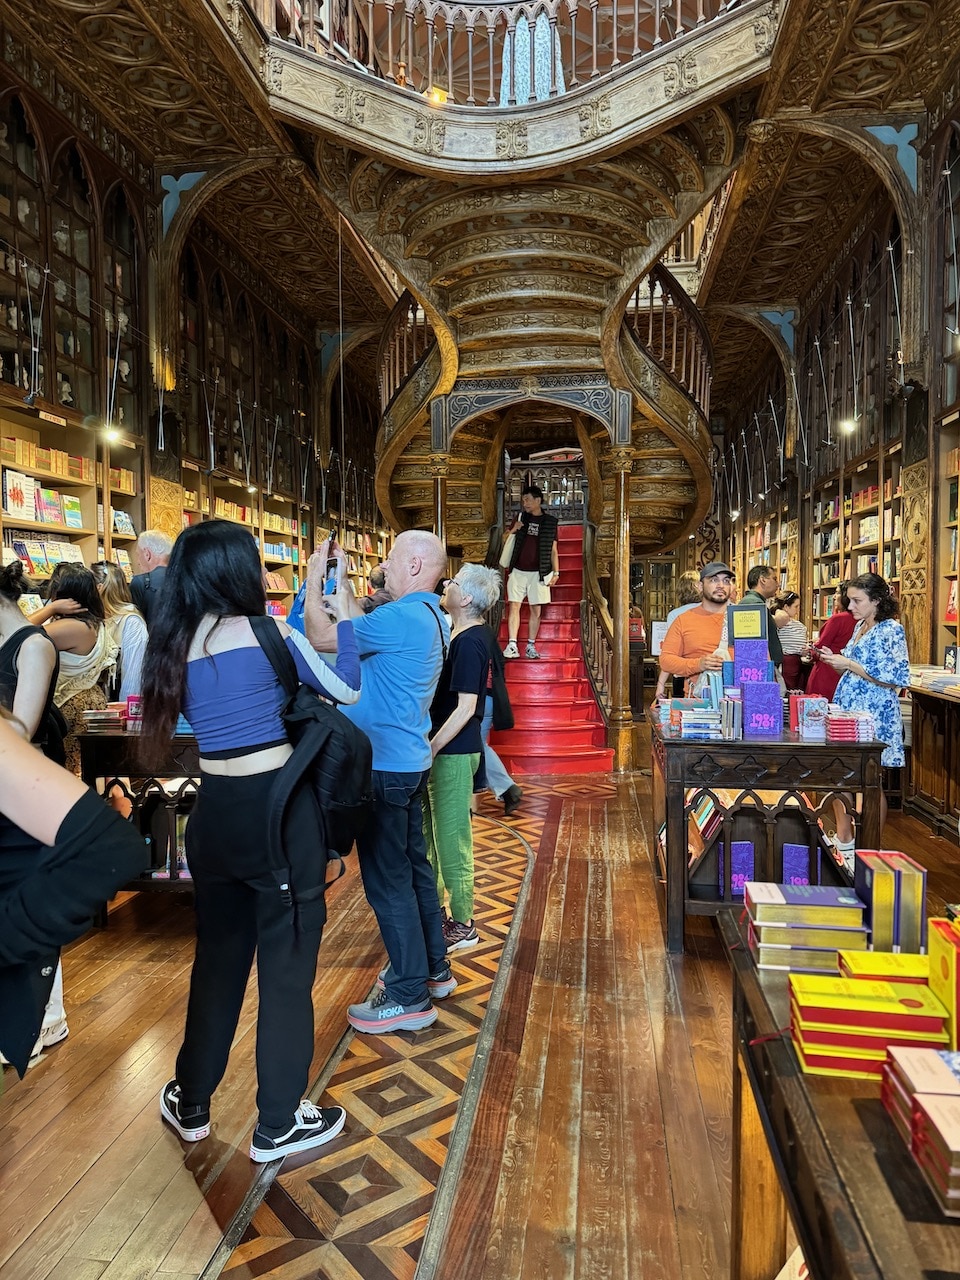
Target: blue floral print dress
[{"x": 882, "y": 652}]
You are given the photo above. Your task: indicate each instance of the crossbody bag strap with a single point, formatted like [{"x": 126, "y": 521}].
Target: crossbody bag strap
[
  {"x": 443, "y": 639},
  {"x": 268, "y": 637}
]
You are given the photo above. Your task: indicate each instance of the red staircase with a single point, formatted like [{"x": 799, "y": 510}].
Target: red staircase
[{"x": 558, "y": 726}]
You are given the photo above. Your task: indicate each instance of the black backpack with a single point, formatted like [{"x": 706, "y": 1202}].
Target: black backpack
[{"x": 341, "y": 775}]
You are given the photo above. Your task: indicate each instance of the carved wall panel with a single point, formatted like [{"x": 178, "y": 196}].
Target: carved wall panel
[
  {"x": 915, "y": 598},
  {"x": 165, "y": 506}
]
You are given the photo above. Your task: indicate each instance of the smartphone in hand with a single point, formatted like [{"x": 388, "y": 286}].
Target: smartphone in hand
[{"x": 331, "y": 576}]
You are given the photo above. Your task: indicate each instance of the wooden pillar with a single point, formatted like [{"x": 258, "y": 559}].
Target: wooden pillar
[
  {"x": 620, "y": 728},
  {"x": 440, "y": 469}
]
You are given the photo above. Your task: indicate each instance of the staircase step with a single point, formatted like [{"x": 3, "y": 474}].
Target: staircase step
[
  {"x": 568, "y": 592},
  {"x": 554, "y": 711},
  {"x": 570, "y": 533},
  {"x": 545, "y": 671},
  {"x": 559, "y": 760},
  {"x": 549, "y": 649},
  {"x": 520, "y": 741},
  {"x": 536, "y": 693}
]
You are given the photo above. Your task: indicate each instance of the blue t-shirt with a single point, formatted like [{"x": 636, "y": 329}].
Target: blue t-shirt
[{"x": 401, "y": 655}]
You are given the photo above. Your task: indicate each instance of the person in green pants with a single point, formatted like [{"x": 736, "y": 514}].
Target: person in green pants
[{"x": 456, "y": 744}]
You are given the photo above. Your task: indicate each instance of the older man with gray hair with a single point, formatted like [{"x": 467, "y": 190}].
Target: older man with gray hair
[
  {"x": 150, "y": 558},
  {"x": 402, "y": 649}
]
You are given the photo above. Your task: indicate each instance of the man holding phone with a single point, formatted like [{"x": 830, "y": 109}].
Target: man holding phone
[{"x": 534, "y": 568}]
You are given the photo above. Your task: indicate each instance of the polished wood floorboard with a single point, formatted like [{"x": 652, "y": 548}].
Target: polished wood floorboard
[{"x": 599, "y": 1145}]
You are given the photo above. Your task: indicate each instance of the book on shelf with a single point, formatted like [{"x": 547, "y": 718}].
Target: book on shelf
[
  {"x": 19, "y": 495},
  {"x": 72, "y": 515},
  {"x": 883, "y": 966},
  {"x": 793, "y": 958},
  {"x": 849, "y": 938},
  {"x": 121, "y": 558},
  {"x": 875, "y": 883},
  {"x": 944, "y": 944},
  {"x": 122, "y": 523},
  {"x": 49, "y": 509},
  {"x": 877, "y": 1043},
  {"x": 854, "y": 1003},
  {"x": 910, "y": 933},
  {"x": 950, "y": 610},
  {"x": 818, "y": 904}
]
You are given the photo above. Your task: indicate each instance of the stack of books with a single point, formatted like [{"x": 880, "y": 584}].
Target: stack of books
[
  {"x": 700, "y": 724},
  {"x": 108, "y": 721},
  {"x": 731, "y": 717},
  {"x": 802, "y": 927},
  {"x": 945, "y": 972},
  {"x": 849, "y": 726},
  {"x": 704, "y": 823},
  {"x": 808, "y": 716},
  {"x": 920, "y": 1090},
  {"x": 844, "y": 1026}
]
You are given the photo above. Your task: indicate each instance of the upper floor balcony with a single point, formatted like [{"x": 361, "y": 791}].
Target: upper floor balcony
[{"x": 487, "y": 55}]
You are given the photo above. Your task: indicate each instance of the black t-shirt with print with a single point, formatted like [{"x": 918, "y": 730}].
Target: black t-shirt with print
[{"x": 529, "y": 535}]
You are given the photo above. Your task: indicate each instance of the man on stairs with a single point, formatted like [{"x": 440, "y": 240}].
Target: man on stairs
[{"x": 534, "y": 568}]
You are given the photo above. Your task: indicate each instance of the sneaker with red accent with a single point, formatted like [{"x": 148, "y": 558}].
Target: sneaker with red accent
[
  {"x": 381, "y": 1014},
  {"x": 459, "y": 935},
  {"x": 439, "y": 984}
]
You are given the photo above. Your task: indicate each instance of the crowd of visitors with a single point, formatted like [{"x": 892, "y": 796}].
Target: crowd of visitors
[{"x": 413, "y": 665}]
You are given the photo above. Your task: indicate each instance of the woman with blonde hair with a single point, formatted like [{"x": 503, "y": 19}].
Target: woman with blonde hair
[{"x": 125, "y": 625}]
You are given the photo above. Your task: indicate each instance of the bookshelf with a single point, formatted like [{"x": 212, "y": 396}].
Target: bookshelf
[
  {"x": 49, "y": 490},
  {"x": 280, "y": 548},
  {"x": 947, "y": 561},
  {"x": 767, "y": 538}
]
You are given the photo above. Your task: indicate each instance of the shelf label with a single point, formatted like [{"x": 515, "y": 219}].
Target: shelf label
[{"x": 45, "y": 416}]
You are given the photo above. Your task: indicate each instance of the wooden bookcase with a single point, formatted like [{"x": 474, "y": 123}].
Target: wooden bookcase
[
  {"x": 73, "y": 481},
  {"x": 946, "y": 566}
]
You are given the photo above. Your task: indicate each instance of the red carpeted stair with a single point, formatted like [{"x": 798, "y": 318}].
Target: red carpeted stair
[{"x": 558, "y": 727}]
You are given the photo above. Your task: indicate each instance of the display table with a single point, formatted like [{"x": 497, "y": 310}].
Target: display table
[
  {"x": 933, "y": 787},
  {"x": 821, "y": 1149},
  {"x": 775, "y": 781},
  {"x": 108, "y": 764}
]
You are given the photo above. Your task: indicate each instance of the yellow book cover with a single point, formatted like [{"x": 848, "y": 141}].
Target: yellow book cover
[
  {"x": 885, "y": 966},
  {"x": 856, "y": 1002},
  {"x": 876, "y": 884},
  {"x": 801, "y": 935},
  {"x": 944, "y": 943},
  {"x": 769, "y": 903},
  {"x": 825, "y": 1064},
  {"x": 911, "y": 932}
]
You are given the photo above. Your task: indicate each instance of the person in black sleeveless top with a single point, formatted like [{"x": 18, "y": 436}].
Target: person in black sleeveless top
[
  {"x": 29, "y": 664},
  {"x": 63, "y": 853}
]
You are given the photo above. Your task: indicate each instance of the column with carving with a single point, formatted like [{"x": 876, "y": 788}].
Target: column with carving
[
  {"x": 440, "y": 470},
  {"x": 620, "y": 728}
]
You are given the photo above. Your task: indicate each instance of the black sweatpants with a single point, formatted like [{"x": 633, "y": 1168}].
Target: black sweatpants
[{"x": 239, "y": 913}]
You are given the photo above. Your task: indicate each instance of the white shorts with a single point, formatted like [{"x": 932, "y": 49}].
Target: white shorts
[{"x": 524, "y": 584}]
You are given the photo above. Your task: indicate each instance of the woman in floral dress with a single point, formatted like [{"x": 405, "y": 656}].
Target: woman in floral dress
[{"x": 873, "y": 668}]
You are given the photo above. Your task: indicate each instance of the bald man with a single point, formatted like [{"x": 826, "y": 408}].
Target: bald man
[{"x": 402, "y": 648}]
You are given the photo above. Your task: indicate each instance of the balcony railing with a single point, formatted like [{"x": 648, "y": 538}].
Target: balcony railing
[
  {"x": 486, "y": 55},
  {"x": 687, "y": 257},
  {"x": 668, "y": 326}
]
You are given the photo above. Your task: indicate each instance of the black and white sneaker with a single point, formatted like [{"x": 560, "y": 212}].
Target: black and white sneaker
[
  {"x": 192, "y": 1123},
  {"x": 312, "y": 1127}
]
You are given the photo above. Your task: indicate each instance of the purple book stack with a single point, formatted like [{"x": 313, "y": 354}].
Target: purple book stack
[{"x": 751, "y": 662}]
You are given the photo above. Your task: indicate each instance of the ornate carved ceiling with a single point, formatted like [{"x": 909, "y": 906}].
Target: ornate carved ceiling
[
  {"x": 166, "y": 75},
  {"x": 797, "y": 195}
]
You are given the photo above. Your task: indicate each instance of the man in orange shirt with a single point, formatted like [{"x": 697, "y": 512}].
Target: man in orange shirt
[{"x": 696, "y": 641}]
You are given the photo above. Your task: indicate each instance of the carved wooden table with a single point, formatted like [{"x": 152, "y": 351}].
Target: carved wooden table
[
  {"x": 108, "y": 764},
  {"x": 823, "y": 1151},
  {"x": 775, "y": 780}
]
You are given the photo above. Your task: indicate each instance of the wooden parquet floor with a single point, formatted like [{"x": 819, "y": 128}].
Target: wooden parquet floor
[{"x": 567, "y": 1117}]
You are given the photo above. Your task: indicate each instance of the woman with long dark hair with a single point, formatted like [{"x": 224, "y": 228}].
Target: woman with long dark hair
[
  {"x": 203, "y": 659},
  {"x": 873, "y": 668},
  {"x": 87, "y": 652}
]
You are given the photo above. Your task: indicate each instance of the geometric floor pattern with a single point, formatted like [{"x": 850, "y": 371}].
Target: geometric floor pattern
[{"x": 359, "y": 1212}]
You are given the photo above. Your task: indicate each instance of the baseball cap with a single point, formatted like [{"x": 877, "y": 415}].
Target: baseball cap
[{"x": 713, "y": 568}]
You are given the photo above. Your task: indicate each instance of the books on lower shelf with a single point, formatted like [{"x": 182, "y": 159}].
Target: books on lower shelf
[
  {"x": 920, "y": 1090},
  {"x": 40, "y": 557},
  {"x": 843, "y": 1027}
]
